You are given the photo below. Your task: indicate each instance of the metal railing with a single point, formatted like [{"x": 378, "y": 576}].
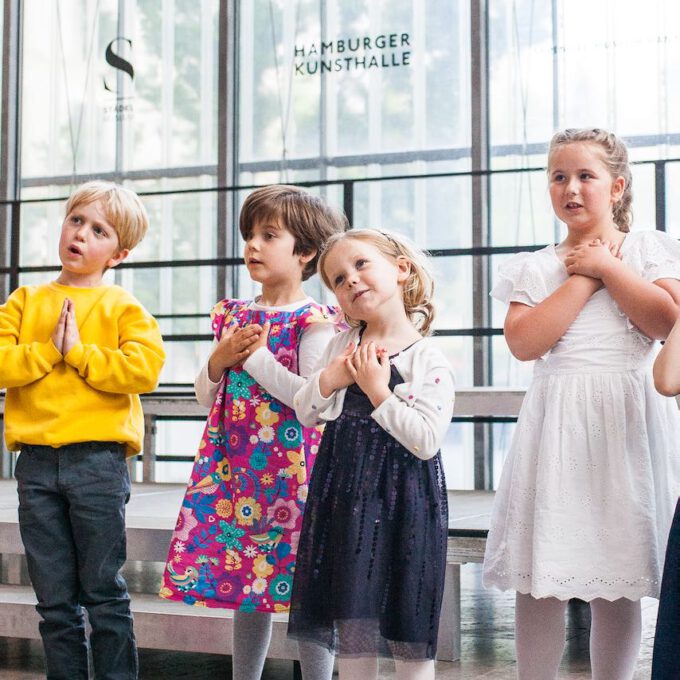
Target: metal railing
[{"x": 348, "y": 188}]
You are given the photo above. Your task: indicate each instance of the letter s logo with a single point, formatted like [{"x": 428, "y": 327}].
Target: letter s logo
[{"x": 118, "y": 62}]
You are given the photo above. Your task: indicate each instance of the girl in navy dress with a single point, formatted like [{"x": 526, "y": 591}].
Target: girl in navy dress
[{"x": 372, "y": 554}]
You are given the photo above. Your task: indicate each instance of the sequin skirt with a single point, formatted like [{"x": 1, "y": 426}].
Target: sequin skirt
[{"x": 372, "y": 553}]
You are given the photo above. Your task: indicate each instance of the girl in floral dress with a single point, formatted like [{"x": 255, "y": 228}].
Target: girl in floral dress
[{"x": 236, "y": 537}]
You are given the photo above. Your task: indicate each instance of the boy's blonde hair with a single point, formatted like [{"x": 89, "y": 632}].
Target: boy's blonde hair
[
  {"x": 123, "y": 209},
  {"x": 418, "y": 288},
  {"x": 616, "y": 160},
  {"x": 308, "y": 218}
]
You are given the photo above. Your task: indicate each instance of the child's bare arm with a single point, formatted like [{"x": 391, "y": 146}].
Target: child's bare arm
[
  {"x": 531, "y": 331},
  {"x": 667, "y": 364},
  {"x": 652, "y": 307}
]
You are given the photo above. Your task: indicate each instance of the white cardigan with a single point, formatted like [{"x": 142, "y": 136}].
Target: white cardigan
[{"x": 417, "y": 414}]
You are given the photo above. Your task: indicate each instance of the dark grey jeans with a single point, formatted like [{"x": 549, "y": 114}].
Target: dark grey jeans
[{"x": 72, "y": 521}]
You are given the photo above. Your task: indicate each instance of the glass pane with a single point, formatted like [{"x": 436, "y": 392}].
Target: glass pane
[
  {"x": 548, "y": 70},
  {"x": 174, "y": 92},
  {"x": 521, "y": 213},
  {"x": 172, "y": 290},
  {"x": 611, "y": 57},
  {"x": 436, "y": 213},
  {"x": 106, "y": 90},
  {"x": 66, "y": 127},
  {"x": 520, "y": 72},
  {"x": 644, "y": 200},
  {"x": 176, "y": 438},
  {"x": 191, "y": 325},
  {"x": 457, "y": 456},
  {"x": 2, "y": 19},
  {"x": 40, "y": 227},
  {"x": 373, "y": 82},
  {"x": 184, "y": 359},
  {"x": 453, "y": 288},
  {"x": 458, "y": 350},
  {"x": 508, "y": 371},
  {"x": 4, "y": 286},
  {"x": 182, "y": 225}
]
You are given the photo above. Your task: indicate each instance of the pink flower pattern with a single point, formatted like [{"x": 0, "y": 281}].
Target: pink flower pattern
[{"x": 246, "y": 455}]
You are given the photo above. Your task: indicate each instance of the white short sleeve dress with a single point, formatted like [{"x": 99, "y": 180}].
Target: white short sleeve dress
[{"x": 588, "y": 490}]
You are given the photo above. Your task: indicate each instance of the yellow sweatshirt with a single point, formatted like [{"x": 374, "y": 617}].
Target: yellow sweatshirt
[{"x": 91, "y": 394}]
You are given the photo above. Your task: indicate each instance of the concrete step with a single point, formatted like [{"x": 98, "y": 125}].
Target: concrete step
[{"x": 159, "y": 624}]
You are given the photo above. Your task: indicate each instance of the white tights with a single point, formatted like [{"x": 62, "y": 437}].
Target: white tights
[
  {"x": 366, "y": 668},
  {"x": 615, "y": 633}
]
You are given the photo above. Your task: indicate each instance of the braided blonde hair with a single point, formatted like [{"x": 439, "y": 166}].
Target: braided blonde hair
[
  {"x": 616, "y": 159},
  {"x": 418, "y": 288}
]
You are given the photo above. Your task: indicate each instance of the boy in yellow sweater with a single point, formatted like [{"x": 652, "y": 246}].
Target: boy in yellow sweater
[{"x": 74, "y": 356}]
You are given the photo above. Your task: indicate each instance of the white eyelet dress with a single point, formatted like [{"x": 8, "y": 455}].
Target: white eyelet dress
[{"x": 588, "y": 490}]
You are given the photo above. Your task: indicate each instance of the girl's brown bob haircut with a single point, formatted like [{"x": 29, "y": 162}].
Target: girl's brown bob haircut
[{"x": 308, "y": 218}]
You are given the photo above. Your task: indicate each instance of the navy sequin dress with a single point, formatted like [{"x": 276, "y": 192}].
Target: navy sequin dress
[{"x": 370, "y": 565}]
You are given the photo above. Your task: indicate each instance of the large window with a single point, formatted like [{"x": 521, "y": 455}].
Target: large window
[{"x": 386, "y": 108}]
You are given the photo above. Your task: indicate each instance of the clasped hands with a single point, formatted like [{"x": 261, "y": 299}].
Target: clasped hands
[
  {"x": 235, "y": 345},
  {"x": 366, "y": 365},
  {"x": 594, "y": 259},
  {"x": 65, "y": 335}
]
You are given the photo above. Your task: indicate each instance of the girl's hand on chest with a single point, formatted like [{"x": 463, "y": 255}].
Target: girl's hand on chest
[
  {"x": 370, "y": 369},
  {"x": 262, "y": 338},
  {"x": 595, "y": 259}
]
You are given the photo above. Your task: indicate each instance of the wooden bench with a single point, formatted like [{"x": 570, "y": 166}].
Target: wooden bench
[{"x": 162, "y": 624}]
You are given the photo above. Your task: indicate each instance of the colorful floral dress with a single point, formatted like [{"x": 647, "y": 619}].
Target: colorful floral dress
[{"x": 237, "y": 533}]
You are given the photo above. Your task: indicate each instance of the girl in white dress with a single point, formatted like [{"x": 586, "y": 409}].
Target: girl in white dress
[{"x": 587, "y": 493}]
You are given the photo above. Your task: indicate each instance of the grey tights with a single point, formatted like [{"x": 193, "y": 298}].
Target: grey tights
[{"x": 252, "y": 634}]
